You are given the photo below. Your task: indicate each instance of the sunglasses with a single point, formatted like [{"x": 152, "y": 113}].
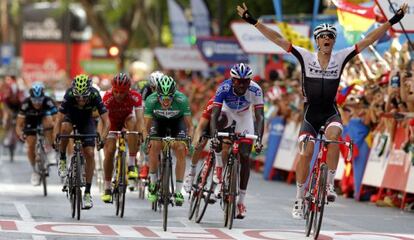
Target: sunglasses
[
  {"x": 36, "y": 100},
  {"x": 165, "y": 98},
  {"x": 81, "y": 97},
  {"x": 329, "y": 35},
  {"x": 241, "y": 80}
]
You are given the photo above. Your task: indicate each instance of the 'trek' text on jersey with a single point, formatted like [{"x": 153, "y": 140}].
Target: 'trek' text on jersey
[
  {"x": 238, "y": 104},
  {"x": 319, "y": 86},
  {"x": 179, "y": 107}
]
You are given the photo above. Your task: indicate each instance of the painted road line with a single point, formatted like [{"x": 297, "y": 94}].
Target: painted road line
[
  {"x": 23, "y": 212},
  {"x": 76, "y": 229}
]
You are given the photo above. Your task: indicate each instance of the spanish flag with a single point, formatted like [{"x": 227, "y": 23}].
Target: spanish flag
[{"x": 355, "y": 19}]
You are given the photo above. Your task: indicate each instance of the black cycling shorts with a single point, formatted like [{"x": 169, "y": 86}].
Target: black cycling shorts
[
  {"x": 317, "y": 116},
  {"x": 168, "y": 127},
  {"x": 84, "y": 126}
]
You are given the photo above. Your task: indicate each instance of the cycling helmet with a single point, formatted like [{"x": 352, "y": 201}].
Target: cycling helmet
[
  {"x": 323, "y": 28},
  {"x": 81, "y": 85},
  {"x": 121, "y": 82},
  {"x": 37, "y": 90},
  {"x": 166, "y": 86},
  {"x": 241, "y": 71},
  {"x": 154, "y": 78}
]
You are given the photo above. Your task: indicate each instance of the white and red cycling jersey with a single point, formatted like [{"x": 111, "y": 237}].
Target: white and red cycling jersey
[
  {"x": 208, "y": 109},
  {"x": 119, "y": 110}
]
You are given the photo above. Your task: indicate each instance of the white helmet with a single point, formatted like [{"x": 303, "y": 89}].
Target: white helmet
[
  {"x": 154, "y": 78},
  {"x": 323, "y": 28}
]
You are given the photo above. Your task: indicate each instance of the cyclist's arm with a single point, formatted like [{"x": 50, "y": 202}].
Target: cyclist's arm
[
  {"x": 203, "y": 124},
  {"x": 20, "y": 124},
  {"x": 259, "y": 121},
  {"x": 59, "y": 119},
  {"x": 147, "y": 127},
  {"x": 273, "y": 36},
  {"x": 215, "y": 113},
  {"x": 373, "y": 36},
  {"x": 139, "y": 113},
  {"x": 105, "y": 125},
  {"x": 189, "y": 124}
]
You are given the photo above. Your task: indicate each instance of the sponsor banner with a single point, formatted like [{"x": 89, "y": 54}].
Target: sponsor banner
[
  {"x": 180, "y": 59},
  {"x": 201, "y": 18},
  {"x": 180, "y": 27},
  {"x": 43, "y": 61},
  {"x": 100, "y": 66},
  {"x": 221, "y": 50},
  {"x": 275, "y": 130},
  {"x": 288, "y": 148},
  {"x": 377, "y": 160},
  {"x": 407, "y": 21},
  {"x": 399, "y": 163},
  {"x": 252, "y": 41}
]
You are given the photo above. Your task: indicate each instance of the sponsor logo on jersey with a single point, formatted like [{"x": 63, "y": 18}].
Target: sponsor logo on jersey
[
  {"x": 167, "y": 113},
  {"x": 223, "y": 88}
]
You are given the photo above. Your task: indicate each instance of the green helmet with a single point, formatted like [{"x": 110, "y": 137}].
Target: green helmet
[
  {"x": 81, "y": 85},
  {"x": 166, "y": 86}
]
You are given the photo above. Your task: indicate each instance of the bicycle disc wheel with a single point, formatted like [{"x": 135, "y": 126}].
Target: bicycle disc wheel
[
  {"x": 205, "y": 192},
  {"x": 166, "y": 192},
  {"x": 195, "y": 194},
  {"x": 320, "y": 201},
  {"x": 309, "y": 206}
]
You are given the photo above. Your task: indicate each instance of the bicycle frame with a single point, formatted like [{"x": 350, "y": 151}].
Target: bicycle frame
[{"x": 315, "y": 191}]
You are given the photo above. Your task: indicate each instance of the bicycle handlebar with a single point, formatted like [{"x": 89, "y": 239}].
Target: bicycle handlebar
[
  {"x": 79, "y": 136},
  {"x": 126, "y": 132},
  {"x": 237, "y": 135},
  {"x": 349, "y": 144},
  {"x": 37, "y": 130},
  {"x": 169, "y": 139}
]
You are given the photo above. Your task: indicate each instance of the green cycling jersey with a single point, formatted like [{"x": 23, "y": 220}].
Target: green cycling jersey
[{"x": 179, "y": 107}]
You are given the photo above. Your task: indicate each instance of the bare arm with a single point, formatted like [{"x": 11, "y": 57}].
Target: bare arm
[
  {"x": 203, "y": 124},
  {"x": 147, "y": 127},
  {"x": 20, "y": 125},
  {"x": 58, "y": 123},
  {"x": 105, "y": 125},
  {"x": 139, "y": 113},
  {"x": 270, "y": 34},
  {"x": 189, "y": 124}
]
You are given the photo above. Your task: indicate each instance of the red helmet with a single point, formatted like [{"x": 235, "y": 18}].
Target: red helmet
[{"x": 121, "y": 82}]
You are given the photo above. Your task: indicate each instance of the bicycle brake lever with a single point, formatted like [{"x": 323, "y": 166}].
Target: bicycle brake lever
[{"x": 303, "y": 147}]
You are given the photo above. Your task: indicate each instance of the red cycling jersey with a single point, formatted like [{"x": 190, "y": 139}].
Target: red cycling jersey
[
  {"x": 119, "y": 111},
  {"x": 208, "y": 109}
]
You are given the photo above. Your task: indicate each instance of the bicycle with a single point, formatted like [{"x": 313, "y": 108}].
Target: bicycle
[
  {"x": 316, "y": 189},
  {"x": 142, "y": 182},
  {"x": 165, "y": 183},
  {"x": 75, "y": 178},
  {"x": 231, "y": 176},
  {"x": 120, "y": 178},
  {"x": 41, "y": 161},
  {"x": 202, "y": 188}
]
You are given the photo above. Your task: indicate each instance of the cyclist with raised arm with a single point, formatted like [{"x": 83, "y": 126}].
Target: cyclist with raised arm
[
  {"x": 124, "y": 107},
  {"x": 79, "y": 102},
  {"x": 235, "y": 97},
  {"x": 37, "y": 109},
  {"x": 321, "y": 74},
  {"x": 167, "y": 110}
]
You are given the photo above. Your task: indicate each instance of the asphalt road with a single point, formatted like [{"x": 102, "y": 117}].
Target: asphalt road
[{"x": 26, "y": 214}]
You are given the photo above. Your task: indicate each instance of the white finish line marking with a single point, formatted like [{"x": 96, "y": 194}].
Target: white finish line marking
[
  {"x": 144, "y": 232},
  {"x": 23, "y": 212}
]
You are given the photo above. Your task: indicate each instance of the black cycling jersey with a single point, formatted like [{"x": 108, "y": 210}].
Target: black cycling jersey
[
  {"x": 319, "y": 87},
  {"x": 71, "y": 107},
  {"x": 33, "y": 116},
  {"x": 146, "y": 91}
]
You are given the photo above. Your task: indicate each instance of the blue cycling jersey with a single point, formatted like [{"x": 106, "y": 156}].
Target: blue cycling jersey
[{"x": 238, "y": 104}]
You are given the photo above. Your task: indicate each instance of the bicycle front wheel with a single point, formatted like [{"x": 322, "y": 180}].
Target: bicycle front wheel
[
  {"x": 320, "y": 201},
  {"x": 206, "y": 188},
  {"x": 309, "y": 205},
  {"x": 195, "y": 194},
  {"x": 231, "y": 206},
  {"x": 166, "y": 192},
  {"x": 78, "y": 201},
  {"x": 122, "y": 187}
]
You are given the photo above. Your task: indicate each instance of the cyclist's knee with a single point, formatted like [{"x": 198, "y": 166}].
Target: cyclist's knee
[{"x": 89, "y": 153}]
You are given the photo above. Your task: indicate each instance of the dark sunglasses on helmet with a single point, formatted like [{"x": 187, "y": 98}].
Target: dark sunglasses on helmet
[{"x": 323, "y": 35}]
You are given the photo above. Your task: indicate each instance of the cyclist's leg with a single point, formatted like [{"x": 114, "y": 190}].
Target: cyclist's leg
[
  {"x": 132, "y": 139},
  {"x": 157, "y": 129},
  {"x": 109, "y": 151},
  {"x": 47, "y": 123},
  {"x": 31, "y": 155},
  {"x": 333, "y": 132},
  {"x": 65, "y": 129}
]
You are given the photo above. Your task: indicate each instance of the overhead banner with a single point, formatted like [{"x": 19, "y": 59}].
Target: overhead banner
[
  {"x": 201, "y": 18},
  {"x": 387, "y": 10},
  {"x": 179, "y": 25},
  {"x": 180, "y": 59},
  {"x": 252, "y": 41},
  {"x": 221, "y": 50}
]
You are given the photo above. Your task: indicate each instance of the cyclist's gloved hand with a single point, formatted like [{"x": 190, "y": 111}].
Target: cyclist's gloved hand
[
  {"x": 398, "y": 15},
  {"x": 258, "y": 146},
  {"x": 146, "y": 146},
  {"x": 55, "y": 144},
  {"x": 101, "y": 144},
  {"x": 246, "y": 15},
  {"x": 191, "y": 149},
  {"x": 215, "y": 142}
]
